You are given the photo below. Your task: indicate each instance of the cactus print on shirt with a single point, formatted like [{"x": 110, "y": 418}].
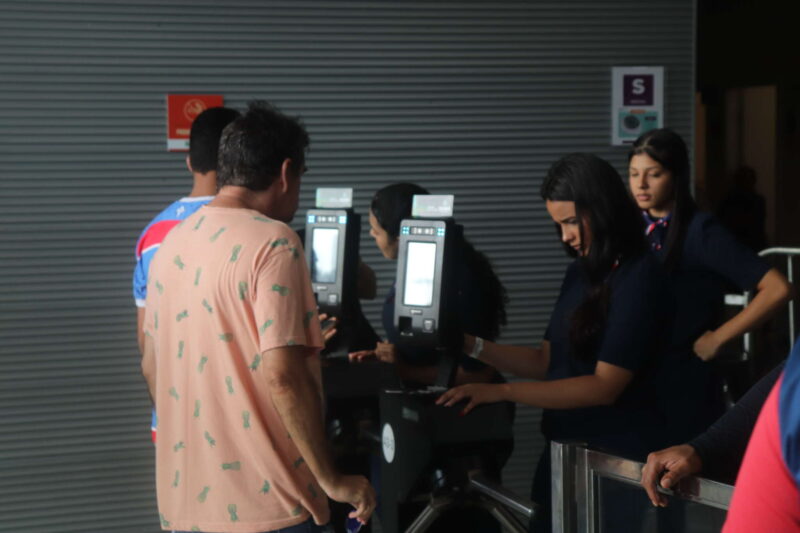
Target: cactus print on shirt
[{"x": 225, "y": 461}]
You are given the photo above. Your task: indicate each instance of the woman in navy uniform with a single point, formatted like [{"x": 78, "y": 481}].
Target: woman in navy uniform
[
  {"x": 702, "y": 259},
  {"x": 602, "y": 344},
  {"x": 481, "y": 303},
  {"x": 481, "y": 296}
]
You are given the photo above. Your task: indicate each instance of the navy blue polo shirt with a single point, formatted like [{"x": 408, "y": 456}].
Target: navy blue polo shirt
[
  {"x": 712, "y": 263},
  {"x": 638, "y": 320}
]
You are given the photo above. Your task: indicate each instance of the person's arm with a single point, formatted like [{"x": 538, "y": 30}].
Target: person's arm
[
  {"x": 721, "y": 448},
  {"x": 296, "y": 396},
  {"x": 772, "y": 292},
  {"x": 717, "y": 453},
  {"x": 522, "y": 361},
  {"x": 386, "y": 352},
  {"x": 674, "y": 463},
  {"x": 601, "y": 388},
  {"x": 716, "y": 249},
  {"x": 140, "y": 328},
  {"x": 149, "y": 363},
  {"x": 140, "y": 271}
]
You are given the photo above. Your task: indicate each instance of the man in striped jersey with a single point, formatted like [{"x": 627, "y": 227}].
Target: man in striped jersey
[{"x": 202, "y": 163}]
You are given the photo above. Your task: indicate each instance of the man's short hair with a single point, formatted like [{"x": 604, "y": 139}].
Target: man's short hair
[
  {"x": 254, "y": 146},
  {"x": 204, "y": 137}
]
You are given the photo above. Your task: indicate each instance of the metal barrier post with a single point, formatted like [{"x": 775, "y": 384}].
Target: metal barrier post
[
  {"x": 562, "y": 460},
  {"x": 584, "y": 493}
]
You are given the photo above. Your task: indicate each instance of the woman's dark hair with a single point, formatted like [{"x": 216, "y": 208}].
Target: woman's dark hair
[
  {"x": 393, "y": 203},
  {"x": 668, "y": 149},
  {"x": 617, "y": 233}
]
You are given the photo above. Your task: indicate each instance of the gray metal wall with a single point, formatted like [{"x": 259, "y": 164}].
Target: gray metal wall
[{"x": 472, "y": 98}]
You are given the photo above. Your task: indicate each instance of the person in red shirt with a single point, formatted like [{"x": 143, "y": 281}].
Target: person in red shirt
[{"x": 766, "y": 497}]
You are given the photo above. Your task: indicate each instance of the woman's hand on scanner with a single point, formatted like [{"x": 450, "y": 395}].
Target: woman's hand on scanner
[{"x": 477, "y": 393}]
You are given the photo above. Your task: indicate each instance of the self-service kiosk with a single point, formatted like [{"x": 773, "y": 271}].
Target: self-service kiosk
[
  {"x": 430, "y": 449},
  {"x": 332, "y": 236},
  {"x": 424, "y": 304}
]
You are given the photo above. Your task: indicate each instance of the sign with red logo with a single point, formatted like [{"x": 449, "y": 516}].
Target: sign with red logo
[{"x": 182, "y": 109}]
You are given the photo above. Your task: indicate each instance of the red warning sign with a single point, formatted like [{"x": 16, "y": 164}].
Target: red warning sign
[{"x": 181, "y": 112}]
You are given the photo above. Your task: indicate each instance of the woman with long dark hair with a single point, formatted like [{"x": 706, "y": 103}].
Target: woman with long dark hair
[
  {"x": 481, "y": 301},
  {"x": 481, "y": 295},
  {"x": 595, "y": 361},
  {"x": 702, "y": 259}
]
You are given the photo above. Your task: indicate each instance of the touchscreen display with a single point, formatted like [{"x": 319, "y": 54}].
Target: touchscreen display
[
  {"x": 324, "y": 252},
  {"x": 420, "y": 270}
]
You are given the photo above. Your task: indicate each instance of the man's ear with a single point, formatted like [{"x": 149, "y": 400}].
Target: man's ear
[
  {"x": 189, "y": 164},
  {"x": 286, "y": 175}
]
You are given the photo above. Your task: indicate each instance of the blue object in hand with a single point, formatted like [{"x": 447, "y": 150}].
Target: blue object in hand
[{"x": 352, "y": 525}]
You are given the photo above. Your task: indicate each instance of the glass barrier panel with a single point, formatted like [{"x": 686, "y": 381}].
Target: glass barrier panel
[{"x": 625, "y": 507}]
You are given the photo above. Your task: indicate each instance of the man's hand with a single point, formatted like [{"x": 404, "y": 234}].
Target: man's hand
[
  {"x": 707, "y": 346},
  {"x": 328, "y": 327},
  {"x": 356, "y": 491},
  {"x": 675, "y": 463}
]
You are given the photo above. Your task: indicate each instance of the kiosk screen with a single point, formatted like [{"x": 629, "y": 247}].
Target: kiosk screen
[
  {"x": 420, "y": 269},
  {"x": 324, "y": 250}
]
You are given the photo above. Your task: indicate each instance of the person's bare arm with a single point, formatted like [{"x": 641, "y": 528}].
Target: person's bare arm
[
  {"x": 149, "y": 365},
  {"x": 522, "y": 361},
  {"x": 386, "y": 352},
  {"x": 140, "y": 328},
  {"x": 772, "y": 292},
  {"x": 601, "y": 388},
  {"x": 296, "y": 394}
]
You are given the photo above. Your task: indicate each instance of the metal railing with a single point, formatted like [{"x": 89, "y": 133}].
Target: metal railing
[
  {"x": 483, "y": 493},
  {"x": 576, "y": 475},
  {"x": 789, "y": 253},
  {"x": 744, "y": 299}
]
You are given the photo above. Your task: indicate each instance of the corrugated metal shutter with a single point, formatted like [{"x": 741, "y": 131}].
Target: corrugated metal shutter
[{"x": 471, "y": 98}]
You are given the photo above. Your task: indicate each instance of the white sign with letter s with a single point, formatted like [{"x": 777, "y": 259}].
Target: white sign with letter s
[{"x": 637, "y": 102}]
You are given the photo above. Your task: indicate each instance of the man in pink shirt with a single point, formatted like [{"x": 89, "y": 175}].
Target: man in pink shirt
[{"x": 232, "y": 339}]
